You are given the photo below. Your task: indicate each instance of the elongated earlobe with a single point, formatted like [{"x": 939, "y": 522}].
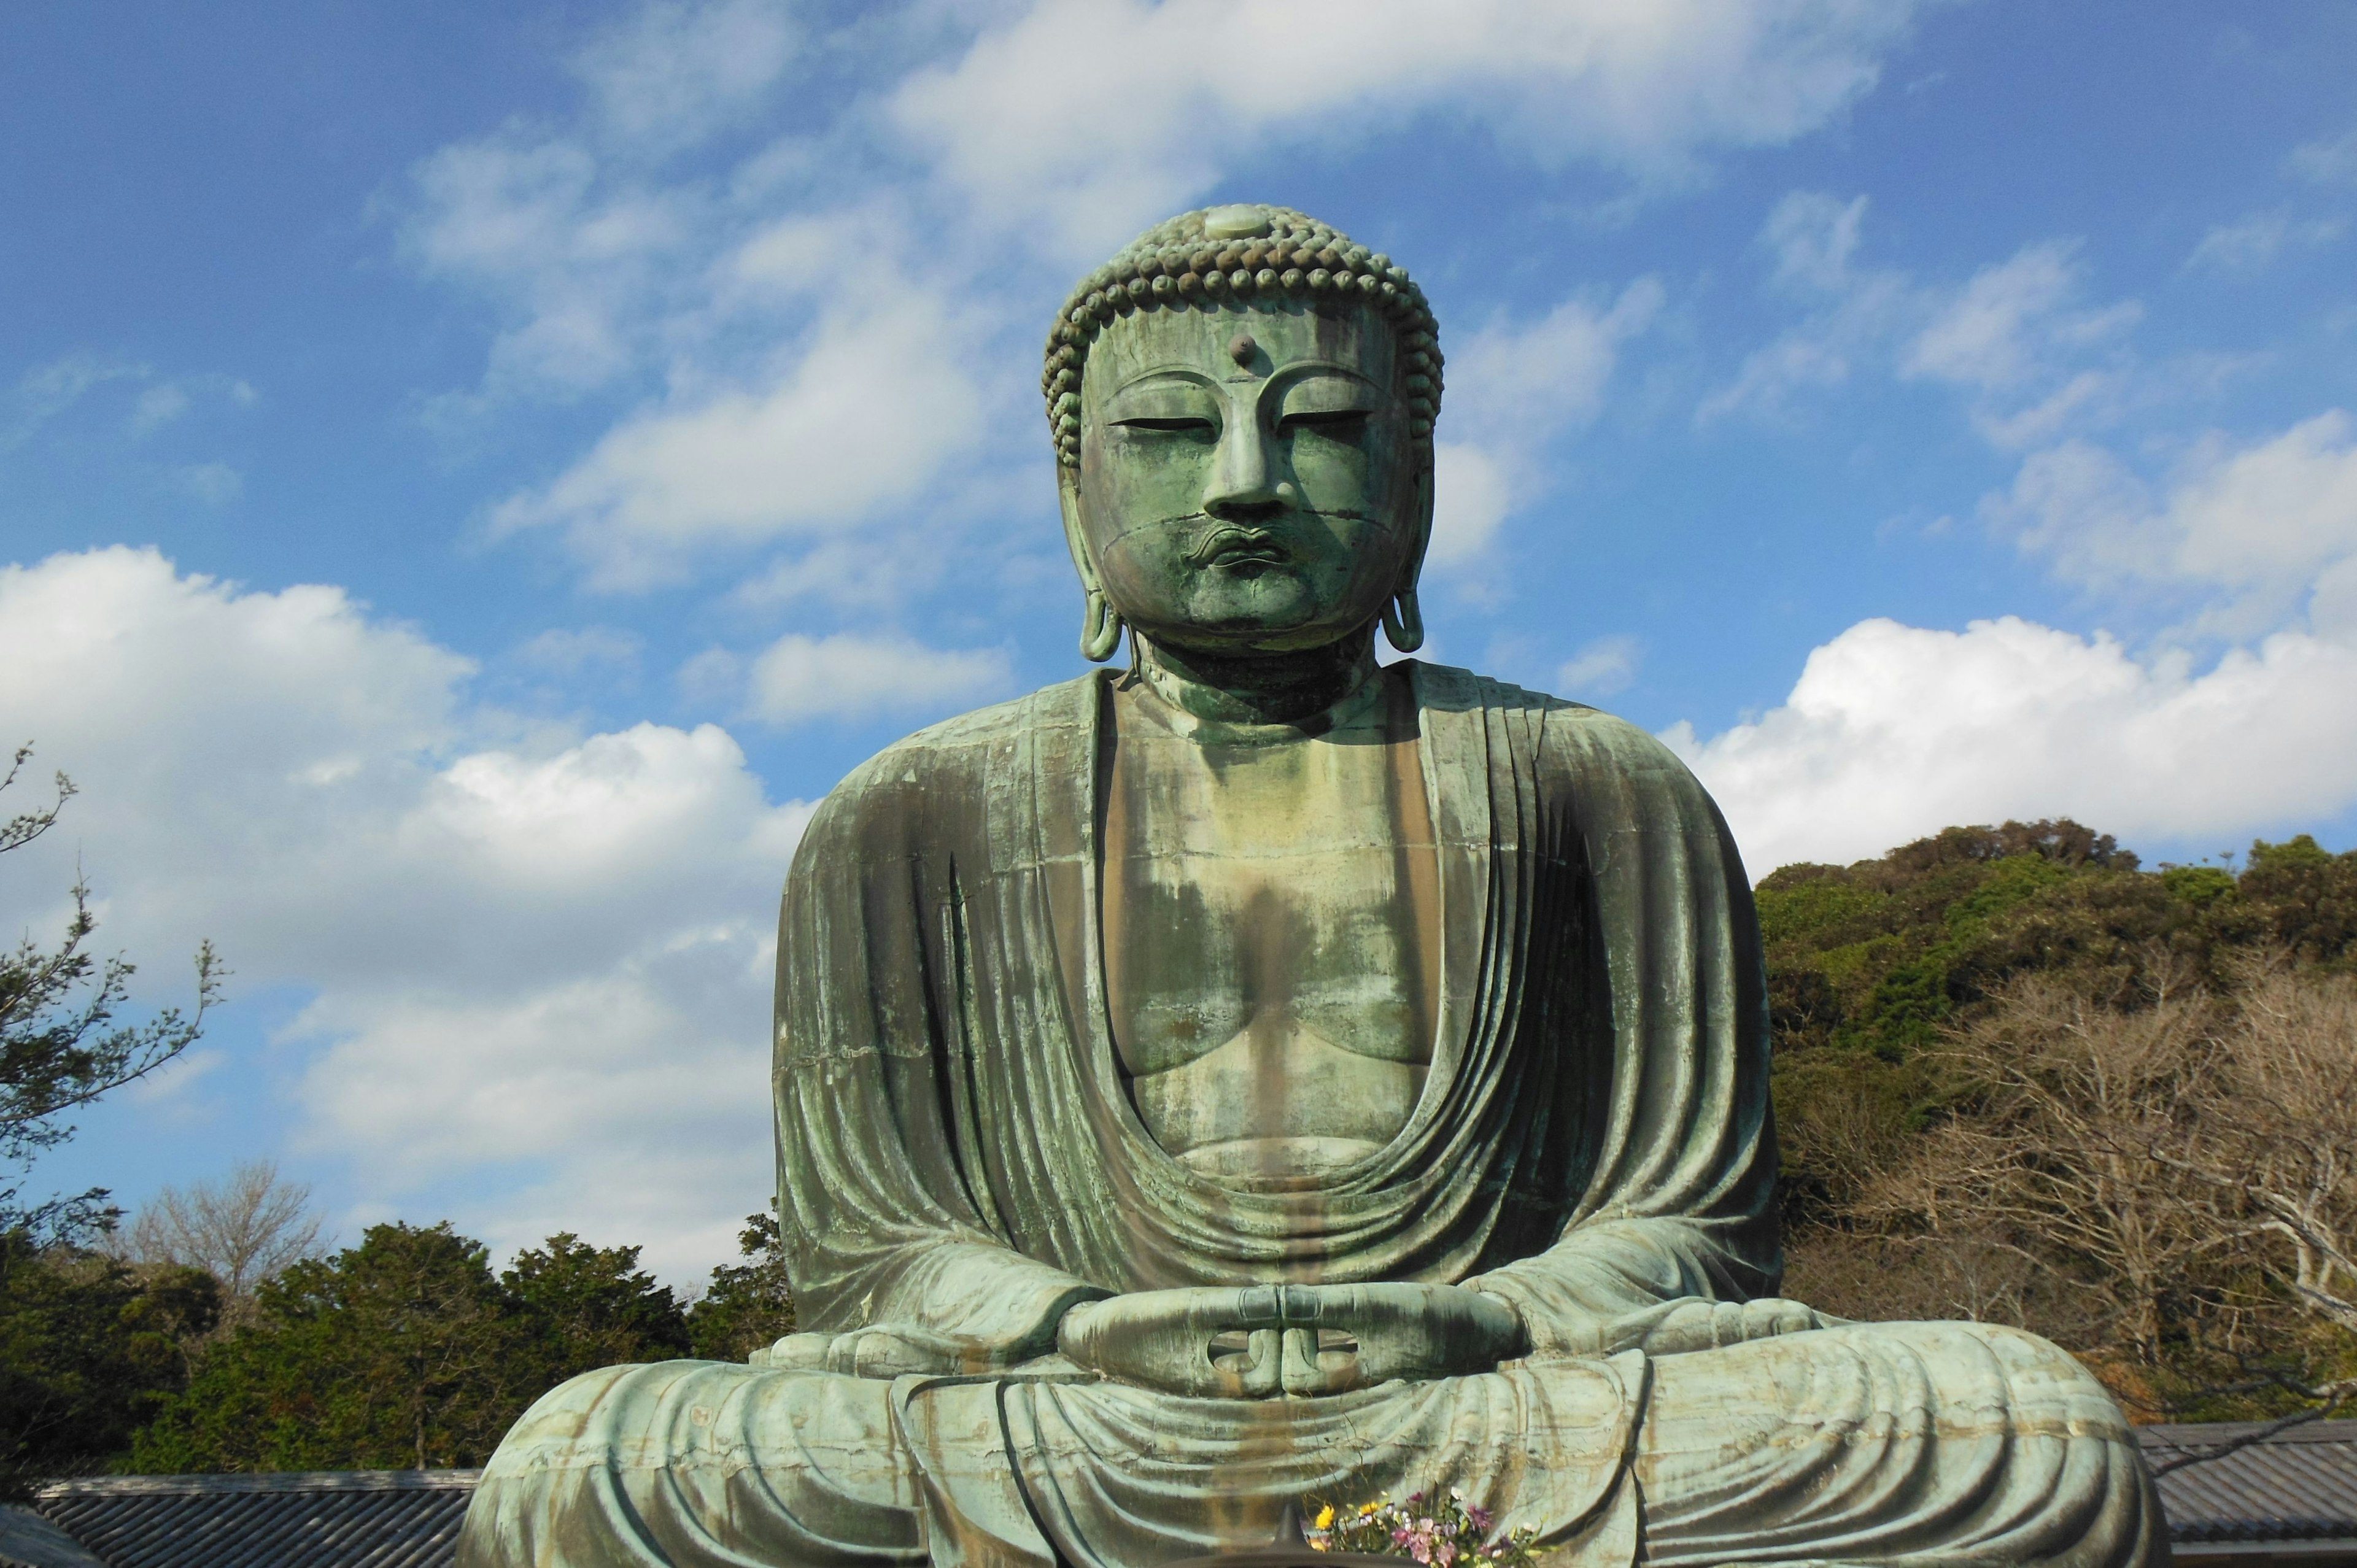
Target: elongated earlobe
[
  {"x": 1403, "y": 622},
  {"x": 1101, "y": 628}
]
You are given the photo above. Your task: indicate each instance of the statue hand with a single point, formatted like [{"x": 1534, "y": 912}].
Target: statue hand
[
  {"x": 1256, "y": 1342},
  {"x": 1681, "y": 1328},
  {"x": 1206, "y": 1341},
  {"x": 882, "y": 1350},
  {"x": 1366, "y": 1334}
]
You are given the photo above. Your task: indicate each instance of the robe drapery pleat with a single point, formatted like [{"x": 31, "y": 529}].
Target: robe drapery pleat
[
  {"x": 957, "y": 1155},
  {"x": 956, "y": 1148}
]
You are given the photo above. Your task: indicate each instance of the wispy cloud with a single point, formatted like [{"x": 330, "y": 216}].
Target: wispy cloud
[
  {"x": 797, "y": 678},
  {"x": 2015, "y": 337},
  {"x": 2251, "y": 532},
  {"x": 1513, "y": 387},
  {"x": 799, "y": 361},
  {"x": 1174, "y": 93},
  {"x": 2249, "y": 244}
]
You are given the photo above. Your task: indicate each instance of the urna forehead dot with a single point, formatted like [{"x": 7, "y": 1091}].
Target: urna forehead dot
[{"x": 1242, "y": 221}]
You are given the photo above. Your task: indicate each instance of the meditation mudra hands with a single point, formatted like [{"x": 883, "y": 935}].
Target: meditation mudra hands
[
  {"x": 1303, "y": 1341},
  {"x": 1261, "y": 1341}
]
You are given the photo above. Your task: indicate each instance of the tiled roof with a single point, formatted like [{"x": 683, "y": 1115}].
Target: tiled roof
[
  {"x": 312, "y": 1519},
  {"x": 2298, "y": 1485}
]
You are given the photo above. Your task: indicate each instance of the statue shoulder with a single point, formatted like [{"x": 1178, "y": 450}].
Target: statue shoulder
[
  {"x": 926, "y": 778},
  {"x": 1574, "y": 741}
]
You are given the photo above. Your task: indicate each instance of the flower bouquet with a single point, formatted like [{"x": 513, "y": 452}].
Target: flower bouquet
[{"x": 1438, "y": 1531}]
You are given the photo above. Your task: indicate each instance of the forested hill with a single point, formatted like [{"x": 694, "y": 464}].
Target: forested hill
[
  {"x": 2020, "y": 1077},
  {"x": 1879, "y": 955}
]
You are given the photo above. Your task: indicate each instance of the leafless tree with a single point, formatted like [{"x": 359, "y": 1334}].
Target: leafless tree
[
  {"x": 2050, "y": 1155},
  {"x": 243, "y": 1228},
  {"x": 2184, "y": 1164},
  {"x": 2281, "y": 1142}
]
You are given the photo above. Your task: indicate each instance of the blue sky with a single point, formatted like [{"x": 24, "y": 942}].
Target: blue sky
[{"x": 473, "y": 475}]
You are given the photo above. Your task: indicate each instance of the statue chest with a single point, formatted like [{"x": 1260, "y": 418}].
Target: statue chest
[{"x": 1272, "y": 941}]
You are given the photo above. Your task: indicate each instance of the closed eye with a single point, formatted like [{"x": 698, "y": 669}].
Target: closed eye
[
  {"x": 1341, "y": 422},
  {"x": 1166, "y": 425}
]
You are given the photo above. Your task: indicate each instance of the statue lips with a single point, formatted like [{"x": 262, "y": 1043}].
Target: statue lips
[{"x": 1236, "y": 544}]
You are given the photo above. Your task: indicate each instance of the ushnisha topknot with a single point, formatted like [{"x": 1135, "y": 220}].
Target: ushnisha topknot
[{"x": 1238, "y": 254}]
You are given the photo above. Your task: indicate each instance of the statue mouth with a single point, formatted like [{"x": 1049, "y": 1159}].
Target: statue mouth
[{"x": 1236, "y": 546}]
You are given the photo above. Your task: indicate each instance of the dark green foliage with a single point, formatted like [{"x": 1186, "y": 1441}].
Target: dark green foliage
[
  {"x": 89, "y": 1350},
  {"x": 591, "y": 1307},
  {"x": 2299, "y": 894},
  {"x": 404, "y": 1352},
  {"x": 1868, "y": 965},
  {"x": 750, "y": 1305}
]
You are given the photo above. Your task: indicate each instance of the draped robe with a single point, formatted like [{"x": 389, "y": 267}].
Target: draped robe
[{"x": 959, "y": 1161}]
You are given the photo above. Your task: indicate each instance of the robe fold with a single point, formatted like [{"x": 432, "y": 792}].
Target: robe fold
[
  {"x": 959, "y": 1161},
  {"x": 956, "y": 1149}
]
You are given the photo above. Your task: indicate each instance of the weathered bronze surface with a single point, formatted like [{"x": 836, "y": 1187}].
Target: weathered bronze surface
[{"x": 1256, "y": 1072}]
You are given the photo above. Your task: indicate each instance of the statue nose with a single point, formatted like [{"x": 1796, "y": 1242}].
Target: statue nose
[{"x": 1244, "y": 481}]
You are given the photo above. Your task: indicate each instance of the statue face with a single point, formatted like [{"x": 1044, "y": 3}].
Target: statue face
[{"x": 1247, "y": 482}]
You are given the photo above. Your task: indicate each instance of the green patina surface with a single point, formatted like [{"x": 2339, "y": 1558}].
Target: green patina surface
[{"x": 1256, "y": 1073}]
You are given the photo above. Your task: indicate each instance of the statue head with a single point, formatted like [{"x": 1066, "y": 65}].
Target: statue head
[{"x": 1243, "y": 403}]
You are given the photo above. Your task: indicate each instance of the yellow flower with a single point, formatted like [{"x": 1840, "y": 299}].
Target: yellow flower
[
  {"x": 1326, "y": 1517},
  {"x": 1366, "y": 1508}
]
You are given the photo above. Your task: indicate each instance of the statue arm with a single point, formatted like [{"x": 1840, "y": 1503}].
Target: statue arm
[
  {"x": 871, "y": 1247},
  {"x": 1677, "y": 1205},
  {"x": 887, "y": 1220}
]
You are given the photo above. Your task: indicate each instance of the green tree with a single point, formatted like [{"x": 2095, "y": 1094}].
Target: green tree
[
  {"x": 748, "y": 1304},
  {"x": 89, "y": 1350},
  {"x": 592, "y": 1306},
  {"x": 406, "y": 1352},
  {"x": 59, "y": 1045},
  {"x": 399, "y": 1353}
]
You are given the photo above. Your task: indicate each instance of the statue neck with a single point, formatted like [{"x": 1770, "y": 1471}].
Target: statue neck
[{"x": 1272, "y": 688}]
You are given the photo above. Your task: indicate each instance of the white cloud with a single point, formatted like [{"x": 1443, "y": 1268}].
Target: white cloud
[
  {"x": 1602, "y": 666},
  {"x": 2000, "y": 328},
  {"x": 215, "y": 484},
  {"x": 1893, "y": 732},
  {"x": 799, "y": 678},
  {"x": 2328, "y": 160},
  {"x": 817, "y": 365},
  {"x": 1470, "y": 497},
  {"x": 1534, "y": 378},
  {"x": 159, "y": 406},
  {"x": 2249, "y": 244},
  {"x": 1517, "y": 385},
  {"x": 566, "y": 650},
  {"x": 1854, "y": 313},
  {"x": 1813, "y": 236},
  {"x": 47, "y": 391},
  {"x": 2263, "y": 525},
  {"x": 1093, "y": 117},
  {"x": 673, "y": 72},
  {"x": 2012, "y": 336},
  {"x": 523, "y": 215},
  {"x": 866, "y": 418},
  {"x": 524, "y": 953}
]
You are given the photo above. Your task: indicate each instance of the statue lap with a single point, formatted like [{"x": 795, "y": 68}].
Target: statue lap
[{"x": 1884, "y": 1443}]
